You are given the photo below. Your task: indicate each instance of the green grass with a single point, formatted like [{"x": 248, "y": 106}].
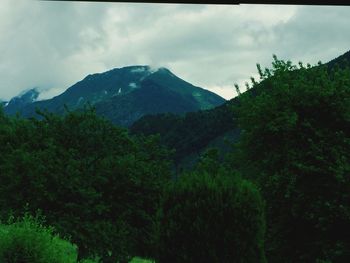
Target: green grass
[{"x": 140, "y": 260}]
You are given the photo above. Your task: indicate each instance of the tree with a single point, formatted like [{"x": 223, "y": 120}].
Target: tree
[
  {"x": 211, "y": 218},
  {"x": 296, "y": 144},
  {"x": 92, "y": 181}
]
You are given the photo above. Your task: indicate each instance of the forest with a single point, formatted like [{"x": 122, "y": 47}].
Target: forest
[{"x": 77, "y": 188}]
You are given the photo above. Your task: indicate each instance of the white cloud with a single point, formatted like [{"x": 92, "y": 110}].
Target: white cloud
[
  {"x": 49, "y": 93},
  {"x": 227, "y": 91},
  {"x": 55, "y": 44}
]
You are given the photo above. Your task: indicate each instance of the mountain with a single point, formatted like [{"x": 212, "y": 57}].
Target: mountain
[
  {"x": 159, "y": 92},
  {"x": 191, "y": 134},
  {"x": 3, "y": 102},
  {"x": 342, "y": 60},
  {"x": 123, "y": 95},
  {"x": 23, "y": 99}
]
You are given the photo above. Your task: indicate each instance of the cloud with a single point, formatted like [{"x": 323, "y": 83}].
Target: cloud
[
  {"x": 55, "y": 44},
  {"x": 40, "y": 43},
  {"x": 315, "y": 33}
]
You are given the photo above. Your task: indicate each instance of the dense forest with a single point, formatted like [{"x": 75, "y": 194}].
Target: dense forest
[{"x": 77, "y": 188}]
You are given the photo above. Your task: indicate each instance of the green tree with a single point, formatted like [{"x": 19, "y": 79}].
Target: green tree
[
  {"x": 207, "y": 217},
  {"x": 295, "y": 143},
  {"x": 93, "y": 182}
]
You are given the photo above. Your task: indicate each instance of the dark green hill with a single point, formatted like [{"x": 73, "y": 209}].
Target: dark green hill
[
  {"x": 193, "y": 133},
  {"x": 190, "y": 134},
  {"x": 123, "y": 95},
  {"x": 341, "y": 60}
]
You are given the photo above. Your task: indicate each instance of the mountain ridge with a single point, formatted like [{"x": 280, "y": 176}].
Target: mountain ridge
[{"x": 118, "y": 95}]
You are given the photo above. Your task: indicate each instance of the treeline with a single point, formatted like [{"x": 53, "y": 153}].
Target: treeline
[
  {"x": 190, "y": 133},
  {"x": 281, "y": 195}
]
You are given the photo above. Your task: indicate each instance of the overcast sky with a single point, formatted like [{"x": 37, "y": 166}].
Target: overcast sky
[{"x": 52, "y": 45}]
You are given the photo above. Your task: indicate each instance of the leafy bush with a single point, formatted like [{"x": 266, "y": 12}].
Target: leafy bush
[
  {"x": 205, "y": 218},
  {"x": 140, "y": 260},
  {"x": 28, "y": 241}
]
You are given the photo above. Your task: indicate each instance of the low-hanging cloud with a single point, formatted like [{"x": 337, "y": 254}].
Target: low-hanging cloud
[{"x": 52, "y": 45}]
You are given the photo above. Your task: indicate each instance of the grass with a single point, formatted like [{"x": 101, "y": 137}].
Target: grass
[{"x": 140, "y": 260}]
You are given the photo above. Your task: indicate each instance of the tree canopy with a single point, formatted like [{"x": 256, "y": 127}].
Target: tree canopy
[
  {"x": 93, "y": 182},
  {"x": 296, "y": 144}
]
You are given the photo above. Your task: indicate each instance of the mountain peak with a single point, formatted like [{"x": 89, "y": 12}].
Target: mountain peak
[
  {"x": 123, "y": 95},
  {"x": 26, "y": 96}
]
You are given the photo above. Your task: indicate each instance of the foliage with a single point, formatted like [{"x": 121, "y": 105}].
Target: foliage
[
  {"x": 87, "y": 261},
  {"x": 211, "y": 218},
  {"x": 140, "y": 260},
  {"x": 295, "y": 144},
  {"x": 187, "y": 134},
  {"x": 28, "y": 241},
  {"x": 92, "y": 181}
]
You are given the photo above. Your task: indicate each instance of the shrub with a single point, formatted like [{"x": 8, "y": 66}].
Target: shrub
[
  {"x": 206, "y": 218},
  {"x": 140, "y": 260},
  {"x": 28, "y": 241}
]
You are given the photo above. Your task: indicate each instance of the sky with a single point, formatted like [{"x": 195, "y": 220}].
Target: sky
[{"x": 53, "y": 45}]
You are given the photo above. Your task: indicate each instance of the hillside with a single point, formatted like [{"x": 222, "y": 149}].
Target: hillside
[{"x": 191, "y": 134}]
